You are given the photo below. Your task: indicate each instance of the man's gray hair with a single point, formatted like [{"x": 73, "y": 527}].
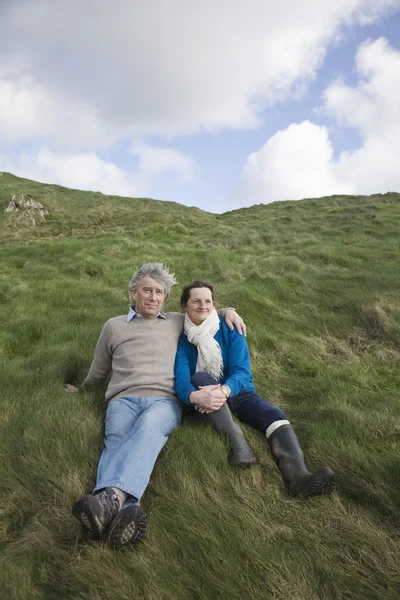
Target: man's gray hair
[{"x": 157, "y": 271}]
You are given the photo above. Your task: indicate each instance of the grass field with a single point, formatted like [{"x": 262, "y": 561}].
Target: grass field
[{"x": 317, "y": 282}]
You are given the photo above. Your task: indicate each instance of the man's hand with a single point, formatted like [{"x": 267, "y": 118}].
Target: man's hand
[
  {"x": 70, "y": 388},
  {"x": 234, "y": 320},
  {"x": 208, "y": 398}
]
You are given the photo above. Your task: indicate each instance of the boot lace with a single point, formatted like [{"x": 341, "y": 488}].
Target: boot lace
[{"x": 109, "y": 502}]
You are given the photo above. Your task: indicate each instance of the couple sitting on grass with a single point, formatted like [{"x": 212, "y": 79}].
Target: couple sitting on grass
[{"x": 154, "y": 370}]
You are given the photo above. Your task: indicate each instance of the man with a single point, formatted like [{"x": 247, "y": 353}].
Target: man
[{"x": 137, "y": 352}]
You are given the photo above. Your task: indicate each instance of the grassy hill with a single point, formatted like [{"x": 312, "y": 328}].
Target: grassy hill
[{"x": 317, "y": 282}]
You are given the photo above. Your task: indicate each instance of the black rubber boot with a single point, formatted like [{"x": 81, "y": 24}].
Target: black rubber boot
[
  {"x": 299, "y": 482},
  {"x": 241, "y": 455}
]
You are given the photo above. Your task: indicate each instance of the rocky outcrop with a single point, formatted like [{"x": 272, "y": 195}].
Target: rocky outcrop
[{"x": 27, "y": 209}]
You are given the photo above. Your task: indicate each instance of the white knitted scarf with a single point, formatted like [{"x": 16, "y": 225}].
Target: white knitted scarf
[{"x": 209, "y": 359}]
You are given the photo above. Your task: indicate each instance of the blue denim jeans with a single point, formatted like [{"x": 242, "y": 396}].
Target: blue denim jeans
[{"x": 136, "y": 430}]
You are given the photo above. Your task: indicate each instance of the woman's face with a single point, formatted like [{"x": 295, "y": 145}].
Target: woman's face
[{"x": 200, "y": 304}]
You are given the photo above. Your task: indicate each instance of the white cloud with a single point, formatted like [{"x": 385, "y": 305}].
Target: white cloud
[
  {"x": 88, "y": 73},
  {"x": 293, "y": 164},
  {"x": 298, "y": 161},
  {"x": 153, "y": 160},
  {"x": 374, "y": 105},
  {"x": 87, "y": 171},
  {"x": 29, "y": 111},
  {"x": 84, "y": 171}
]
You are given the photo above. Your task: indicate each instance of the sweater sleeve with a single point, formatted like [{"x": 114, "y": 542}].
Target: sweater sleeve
[
  {"x": 102, "y": 359},
  {"x": 239, "y": 373},
  {"x": 182, "y": 371}
]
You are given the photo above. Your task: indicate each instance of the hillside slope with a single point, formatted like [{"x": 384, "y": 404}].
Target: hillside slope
[{"x": 317, "y": 282}]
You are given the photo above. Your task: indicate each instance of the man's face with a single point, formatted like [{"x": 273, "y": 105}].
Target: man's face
[{"x": 149, "y": 298}]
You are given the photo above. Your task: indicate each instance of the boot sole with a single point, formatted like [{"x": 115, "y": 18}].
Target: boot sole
[
  {"x": 127, "y": 528},
  {"x": 244, "y": 463},
  {"x": 84, "y": 511},
  {"x": 321, "y": 484}
]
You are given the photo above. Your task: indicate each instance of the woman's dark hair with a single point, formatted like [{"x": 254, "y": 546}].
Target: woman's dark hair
[{"x": 199, "y": 283}]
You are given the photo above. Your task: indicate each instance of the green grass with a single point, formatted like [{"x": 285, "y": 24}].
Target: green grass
[{"x": 317, "y": 282}]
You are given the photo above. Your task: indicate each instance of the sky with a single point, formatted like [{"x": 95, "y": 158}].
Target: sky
[{"x": 218, "y": 104}]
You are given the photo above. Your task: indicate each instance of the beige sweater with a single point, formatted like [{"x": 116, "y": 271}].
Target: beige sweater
[{"x": 138, "y": 355}]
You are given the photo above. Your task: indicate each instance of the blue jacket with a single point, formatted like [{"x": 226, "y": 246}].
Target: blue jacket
[{"x": 235, "y": 357}]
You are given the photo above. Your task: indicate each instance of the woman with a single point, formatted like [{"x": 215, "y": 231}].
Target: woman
[{"x": 212, "y": 370}]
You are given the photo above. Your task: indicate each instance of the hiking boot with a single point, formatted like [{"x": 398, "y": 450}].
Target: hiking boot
[
  {"x": 127, "y": 528},
  {"x": 299, "y": 482},
  {"x": 96, "y": 512}
]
